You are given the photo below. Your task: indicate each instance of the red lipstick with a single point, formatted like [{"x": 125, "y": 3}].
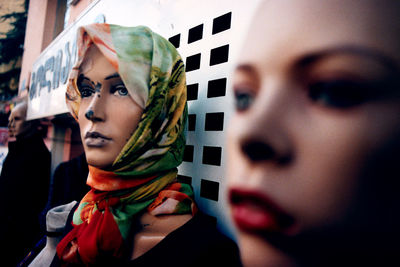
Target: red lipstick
[{"x": 252, "y": 211}]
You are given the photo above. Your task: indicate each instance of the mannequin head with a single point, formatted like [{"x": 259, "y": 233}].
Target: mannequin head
[
  {"x": 18, "y": 126},
  {"x": 107, "y": 116},
  {"x": 127, "y": 90},
  {"x": 313, "y": 144}
]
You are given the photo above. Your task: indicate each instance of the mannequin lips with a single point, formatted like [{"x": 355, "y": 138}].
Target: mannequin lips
[
  {"x": 252, "y": 211},
  {"x": 96, "y": 139}
]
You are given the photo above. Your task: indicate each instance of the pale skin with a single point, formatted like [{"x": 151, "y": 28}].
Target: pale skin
[
  {"x": 308, "y": 136},
  {"x": 107, "y": 118},
  {"x": 17, "y": 124}
]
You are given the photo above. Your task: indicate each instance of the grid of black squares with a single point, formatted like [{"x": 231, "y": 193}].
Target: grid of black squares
[{"x": 216, "y": 88}]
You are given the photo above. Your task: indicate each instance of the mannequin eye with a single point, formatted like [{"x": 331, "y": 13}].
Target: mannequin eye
[
  {"x": 339, "y": 93},
  {"x": 243, "y": 100},
  {"x": 85, "y": 86},
  {"x": 119, "y": 90},
  {"x": 86, "y": 91}
]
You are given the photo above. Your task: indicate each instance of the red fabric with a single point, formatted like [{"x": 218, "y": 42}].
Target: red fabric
[
  {"x": 171, "y": 191},
  {"x": 88, "y": 241},
  {"x": 98, "y": 236}
]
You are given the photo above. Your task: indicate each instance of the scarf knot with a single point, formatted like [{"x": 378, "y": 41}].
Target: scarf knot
[
  {"x": 96, "y": 202},
  {"x": 103, "y": 221}
]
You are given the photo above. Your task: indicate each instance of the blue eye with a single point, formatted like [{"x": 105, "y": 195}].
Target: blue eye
[
  {"x": 339, "y": 93},
  {"x": 119, "y": 90},
  {"x": 243, "y": 100},
  {"x": 86, "y": 91}
]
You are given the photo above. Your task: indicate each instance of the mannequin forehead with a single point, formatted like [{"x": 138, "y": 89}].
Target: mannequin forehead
[
  {"x": 93, "y": 53},
  {"x": 96, "y": 67},
  {"x": 86, "y": 66},
  {"x": 301, "y": 26}
]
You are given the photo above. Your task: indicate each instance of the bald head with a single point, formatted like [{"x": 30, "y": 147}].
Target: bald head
[
  {"x": 21, "y": 109},
  {"x": 17, "y": 124}
]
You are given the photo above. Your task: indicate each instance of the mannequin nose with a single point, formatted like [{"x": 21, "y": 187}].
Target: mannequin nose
[
  {"x": 95, "y": 110},
  {"x": 258, "y": 151},
  {"x": 89, "y": 114},
  {"x": 263, "y": 134}
]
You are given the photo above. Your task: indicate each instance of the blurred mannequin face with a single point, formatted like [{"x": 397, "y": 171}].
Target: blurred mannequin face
[
  {"x": 17, "y": 124},
  {"x": 107, "y": 115},
  {"x": 316, "y": 127}
]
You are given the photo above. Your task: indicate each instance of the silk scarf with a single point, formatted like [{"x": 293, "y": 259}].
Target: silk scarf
[{"x": 143, "y": 176}]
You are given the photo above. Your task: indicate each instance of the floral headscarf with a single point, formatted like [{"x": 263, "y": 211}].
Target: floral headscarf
[{"x": 143, "y": 176}]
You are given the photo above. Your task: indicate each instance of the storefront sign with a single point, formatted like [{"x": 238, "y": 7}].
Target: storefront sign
[
  {"x": 50, "y": 72},
  {"x": 49, "y": 78}
]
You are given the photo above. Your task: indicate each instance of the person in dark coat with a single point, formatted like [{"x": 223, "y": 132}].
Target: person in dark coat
[
  {"x": 68, "y": 184},
  {"x": 69, "y": 181},
  {"x": 24, "y": 185}
]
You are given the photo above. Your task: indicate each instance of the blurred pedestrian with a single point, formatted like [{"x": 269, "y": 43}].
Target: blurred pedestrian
[{"x": 24, "y": 185}]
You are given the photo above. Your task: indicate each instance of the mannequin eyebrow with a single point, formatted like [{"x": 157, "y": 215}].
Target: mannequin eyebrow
[
  {"x": 364, "y": 52},
  {"x": 114, "y": 75},
  {"x": 247, "y": 68},
  {"x": 83, "y": 77}
]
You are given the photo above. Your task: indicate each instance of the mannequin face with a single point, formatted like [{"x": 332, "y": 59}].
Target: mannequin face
[
  {"x": 17, "y": 124},
  {"x": 316, "y": 127},
  {"x": 107, "y": 115}
]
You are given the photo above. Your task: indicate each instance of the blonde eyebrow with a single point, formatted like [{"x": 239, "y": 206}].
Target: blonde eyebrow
[
  {"x": 365, "y": 52},
  {"x": 245, "y": 68}
]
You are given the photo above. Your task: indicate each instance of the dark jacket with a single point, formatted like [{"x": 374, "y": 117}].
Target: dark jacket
[
  {"x": 24, "y": 185},
  {"x": 69, "y": 182},
  {"x": 197, "y": 243}
]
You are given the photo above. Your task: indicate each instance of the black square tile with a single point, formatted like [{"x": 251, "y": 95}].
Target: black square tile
[
  {"x": 219, "y": 55},
  {"x": 191, "y": 122},
  {"x": 216, "y": 88},
  {"x": 195, "y": 34},
  {"x": 222, "y": 23},
  {"x": 192, "y": 91},
  {"x": 209, "y": 189},
  {"x": 188, "y": 154},
  {"x": 193, "y": 62},
  {"x": 212, "y": 155},
  {"x": 214, "y": 121},
  {"x": 175, "y": 40}
]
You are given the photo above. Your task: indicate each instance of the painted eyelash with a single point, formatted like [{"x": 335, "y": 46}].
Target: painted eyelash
[{"x": 340, "y": 93}]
